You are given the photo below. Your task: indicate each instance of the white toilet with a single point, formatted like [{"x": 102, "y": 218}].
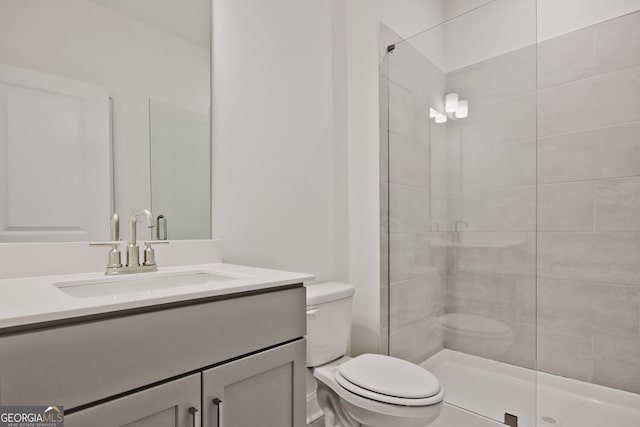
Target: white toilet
[{"x": 370, "y": 390}]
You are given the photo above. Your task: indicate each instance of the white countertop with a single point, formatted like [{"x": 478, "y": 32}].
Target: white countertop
[{"x": 33, "y": 300}]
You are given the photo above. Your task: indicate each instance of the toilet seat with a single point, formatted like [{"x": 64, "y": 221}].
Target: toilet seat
[
  {"x": 389, "y": 380},
  {"x": 353, "y": 409}
]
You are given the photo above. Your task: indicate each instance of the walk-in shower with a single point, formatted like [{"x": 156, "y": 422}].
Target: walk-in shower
[{"x": 510, "y": 197}]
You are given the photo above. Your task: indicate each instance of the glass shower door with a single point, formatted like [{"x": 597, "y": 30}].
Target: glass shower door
[{"x": 461, "y": 156}]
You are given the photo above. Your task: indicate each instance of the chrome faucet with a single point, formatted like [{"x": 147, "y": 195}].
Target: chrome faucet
[
  {"x": 133, "y": 251},
  {"x": 456, "y": 234}
]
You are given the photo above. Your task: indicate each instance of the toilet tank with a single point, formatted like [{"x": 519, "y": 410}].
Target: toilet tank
[{"x": 328, "y": 321}]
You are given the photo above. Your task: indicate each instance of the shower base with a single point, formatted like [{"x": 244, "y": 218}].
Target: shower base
[{"x": 480, "y": 391}]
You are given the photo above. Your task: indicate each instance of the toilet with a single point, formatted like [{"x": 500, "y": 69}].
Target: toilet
[{"x": 370, "y": 390}]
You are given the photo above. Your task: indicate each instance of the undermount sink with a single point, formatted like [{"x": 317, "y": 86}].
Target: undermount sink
[{"x": 107, "y": 286}]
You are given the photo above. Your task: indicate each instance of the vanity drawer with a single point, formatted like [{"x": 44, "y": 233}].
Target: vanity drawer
[{"x": 82, "y": 363}]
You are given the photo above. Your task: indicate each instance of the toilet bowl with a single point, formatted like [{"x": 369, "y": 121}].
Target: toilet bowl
[{"x": 370, "y": 390}]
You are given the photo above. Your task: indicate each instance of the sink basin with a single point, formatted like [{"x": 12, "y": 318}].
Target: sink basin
[{"x": 117, "y": 285}]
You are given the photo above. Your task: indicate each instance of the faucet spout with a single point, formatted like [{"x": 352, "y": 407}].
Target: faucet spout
[
  {"x": 133, "y": 224},
  {"x": 133, "y": 253}
]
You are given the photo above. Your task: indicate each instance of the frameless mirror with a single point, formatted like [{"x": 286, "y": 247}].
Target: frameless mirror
[{"x": 104, "y": 107}]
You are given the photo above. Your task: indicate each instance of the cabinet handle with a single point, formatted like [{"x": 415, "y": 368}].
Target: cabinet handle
[
  {"x": 217, "y": 402},
  {"x": 193, "y": 411}
]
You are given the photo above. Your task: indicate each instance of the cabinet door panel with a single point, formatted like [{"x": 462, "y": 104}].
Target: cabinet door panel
[
  {"x": 265, "y": 389},
  {"x": 166, "y": 418},
  {"x": 166, "y": 405}
]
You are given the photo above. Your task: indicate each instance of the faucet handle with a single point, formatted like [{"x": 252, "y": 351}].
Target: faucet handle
[
  {"x": 115, "y": 260},
  {"x": 114, "y": 223},
  {"x": 150, "y": 253},
  {"x": 161, "y": 228}
]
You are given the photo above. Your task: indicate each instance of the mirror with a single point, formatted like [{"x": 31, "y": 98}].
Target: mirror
[{"x": 104, "y": 107}]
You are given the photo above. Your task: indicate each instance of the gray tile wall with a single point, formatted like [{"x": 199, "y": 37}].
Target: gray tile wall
[
  {"x": 487, "y": 178},
  {"x": 589, "y": 204},
  {"x": 547, "y": 175},
  {"x": 412, "y": 288}
]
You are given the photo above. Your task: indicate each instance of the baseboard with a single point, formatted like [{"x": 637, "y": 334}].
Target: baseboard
[{"x": 313, "y": 409}]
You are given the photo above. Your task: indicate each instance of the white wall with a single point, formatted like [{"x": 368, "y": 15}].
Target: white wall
[
  {"x": 506, "y": 25},
  {"x": 453, "y": 8},
  {"x": 557, "y": 17},
  {"x": 496, "y": 28},
  {"x": 364, "y": 172},
  {"x": 81, "y": 40},
  {"x": 472, "y": 37},
  {"x": 275, "y": 171},
  {"x": 296, "y": 143},
  {"x": 492, "y": 30},
  {"x": 410, "y": 17}
]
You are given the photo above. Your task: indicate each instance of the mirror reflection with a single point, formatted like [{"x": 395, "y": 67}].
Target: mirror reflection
[{"x": 104, "y": 107}]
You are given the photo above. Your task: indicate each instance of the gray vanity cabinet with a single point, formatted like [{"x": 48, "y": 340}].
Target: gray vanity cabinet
[
  {"x": 173, "y": 404},
  {"x": 149, "y": 368},
  {"x": 258, "y": 390}
]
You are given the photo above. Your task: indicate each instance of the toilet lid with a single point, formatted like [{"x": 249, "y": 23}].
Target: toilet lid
[{"x": 389, "y": 376}]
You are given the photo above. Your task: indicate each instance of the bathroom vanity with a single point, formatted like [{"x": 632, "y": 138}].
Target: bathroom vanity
[{"x": 212, "y": 352}]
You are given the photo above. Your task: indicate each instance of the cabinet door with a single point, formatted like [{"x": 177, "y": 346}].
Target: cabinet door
[
  {"x": 174, "y": 404},
  {"x": 266, "y": 389}
]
